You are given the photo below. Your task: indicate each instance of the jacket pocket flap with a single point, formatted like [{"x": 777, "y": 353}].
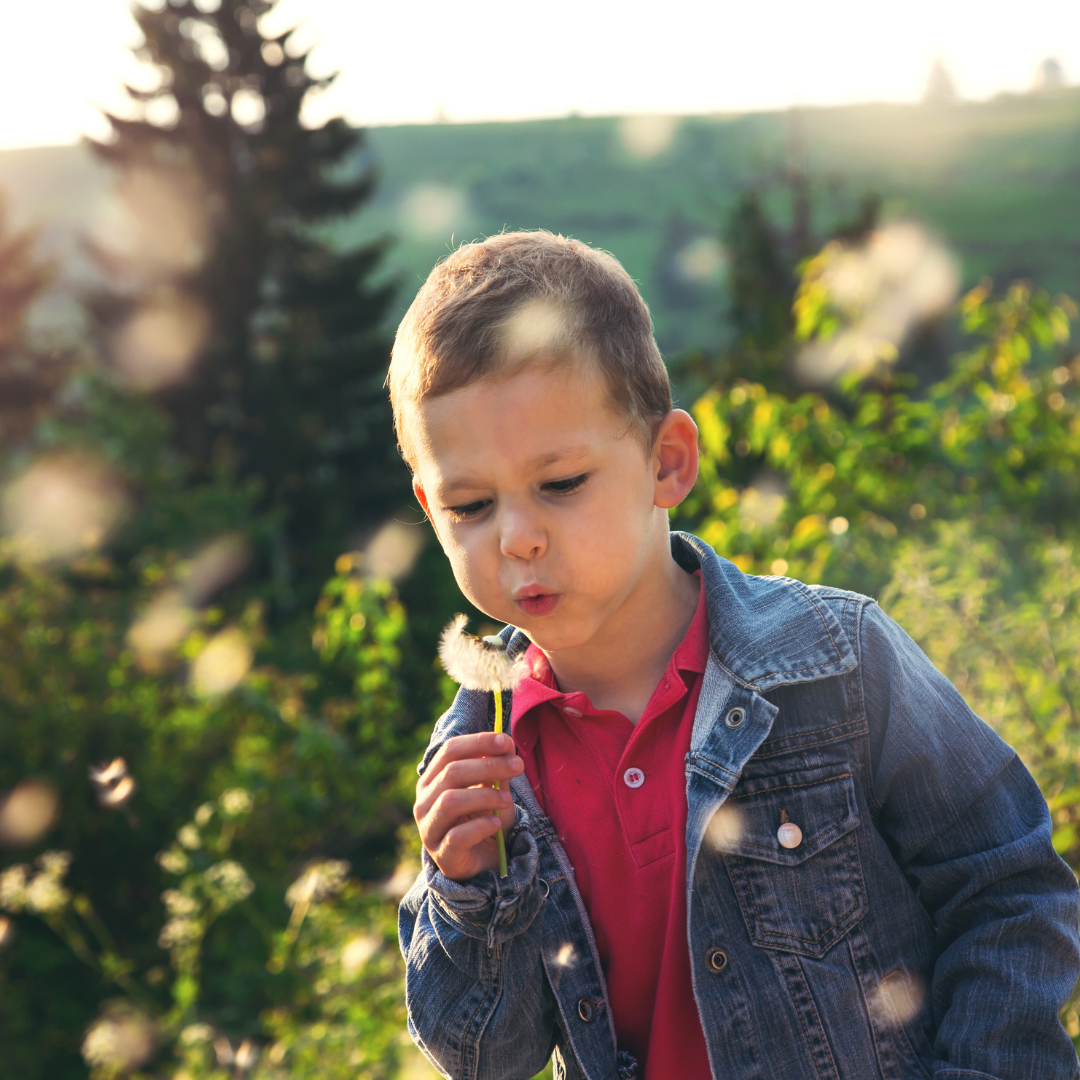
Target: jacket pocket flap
[{"x": 820, "y": 803}]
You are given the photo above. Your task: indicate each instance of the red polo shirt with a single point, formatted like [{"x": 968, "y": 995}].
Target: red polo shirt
[{"x": 616, "y": 792}]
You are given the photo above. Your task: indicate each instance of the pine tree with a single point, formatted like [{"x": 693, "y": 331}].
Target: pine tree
[
  {"x": 28, "y": 379},
  {"x": 270, "y": 354}
]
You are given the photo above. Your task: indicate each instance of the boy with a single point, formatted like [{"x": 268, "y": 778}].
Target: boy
[{"x": 753, "y": 834}]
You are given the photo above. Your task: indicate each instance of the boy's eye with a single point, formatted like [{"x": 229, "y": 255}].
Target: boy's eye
[
  {"x": 468, "y": 511},
  {"x": 565, "y": 487}
]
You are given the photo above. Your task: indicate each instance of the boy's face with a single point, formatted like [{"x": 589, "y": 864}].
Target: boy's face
[{"x": 548, "y": 508}]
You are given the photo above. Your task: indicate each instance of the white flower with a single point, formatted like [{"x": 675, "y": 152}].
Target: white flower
[
  {"x": 45, "y": 895},
  {"x": 235, "y": 801},
  {"x": 179, "y": 903},
  {"x": 229, "y": 881},
  {"x": 55, "y": 863},
  {"x": 13, "y": 887},
  {"x": 120, "y": 1041},
  {"x": 173, "y": 861},
  {"x": 204, "y": 813},
  {"x": 317, "y": 882},
  {"x": 194, "y": 1034},
  {"x": 189, "y": 837},
  {"x": 179, "y": 932}
]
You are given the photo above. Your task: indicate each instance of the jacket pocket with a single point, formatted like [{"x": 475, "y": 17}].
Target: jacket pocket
[{"x": 805, "y": 896}]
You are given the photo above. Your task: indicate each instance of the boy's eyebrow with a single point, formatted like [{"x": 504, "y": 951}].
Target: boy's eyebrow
[{"x": 542, "y": 461}]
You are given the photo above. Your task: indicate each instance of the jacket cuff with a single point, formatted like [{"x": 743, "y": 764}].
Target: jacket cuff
[{"x": 487, "y": 906}]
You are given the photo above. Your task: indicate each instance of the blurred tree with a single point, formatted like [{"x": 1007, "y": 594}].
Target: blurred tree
[
  {"x": 940, "y": 87},
  {"x": 762, "y": 276},
  {"x": 28, "y": 379},
  {"x": 263, "y": 342}
]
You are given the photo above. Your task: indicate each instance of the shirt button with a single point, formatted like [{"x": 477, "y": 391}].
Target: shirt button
[
  {"x": 789, "y": 834},
  {"x": 633, "y": 778},
  {"x": 571, "y": 712}
]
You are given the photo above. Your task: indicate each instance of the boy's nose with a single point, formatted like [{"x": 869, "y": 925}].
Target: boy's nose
[{"x": 521, "y": 537}]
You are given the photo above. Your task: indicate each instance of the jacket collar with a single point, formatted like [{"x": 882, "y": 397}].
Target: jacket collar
[{"x": 764, "y": 631}]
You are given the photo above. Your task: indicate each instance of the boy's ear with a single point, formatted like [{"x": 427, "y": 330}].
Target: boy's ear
[
  {"x": 422, "y": 499},
  {"x": 675, "y": 458}
]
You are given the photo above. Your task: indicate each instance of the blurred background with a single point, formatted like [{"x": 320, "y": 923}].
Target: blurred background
[{"x": 858, "y": 233}]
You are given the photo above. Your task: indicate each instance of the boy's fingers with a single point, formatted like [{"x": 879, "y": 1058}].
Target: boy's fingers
[
  {"x": 453, "y": 806},
  {"x": 456, "y": 849},
  {"x": 481, "y": 744},
  {"x": 461, "y": 774}
]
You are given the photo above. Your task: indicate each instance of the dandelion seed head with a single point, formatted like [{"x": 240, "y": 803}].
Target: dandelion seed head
[{"x": 478, "y": 663}]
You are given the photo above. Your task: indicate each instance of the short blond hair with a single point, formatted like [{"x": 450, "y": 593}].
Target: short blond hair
[{"x": 516, "y": 298}]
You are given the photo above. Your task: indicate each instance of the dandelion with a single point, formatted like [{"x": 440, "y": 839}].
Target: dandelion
[
  {"x": 481, "y": 664},
  {"x": 318, "y": 882}
]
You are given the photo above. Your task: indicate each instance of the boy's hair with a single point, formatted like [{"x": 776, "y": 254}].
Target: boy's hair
[{"x": 516, "y": 298}]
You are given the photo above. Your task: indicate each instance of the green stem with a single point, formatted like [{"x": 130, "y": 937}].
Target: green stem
[{"x": 499, "y": 841}]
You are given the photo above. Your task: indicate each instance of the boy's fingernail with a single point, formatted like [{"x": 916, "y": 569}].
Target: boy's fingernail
[
  {"x": 515, "y": 762},
  {"x": 504, "y": 797},
  {"x": 500, "y": 741}
]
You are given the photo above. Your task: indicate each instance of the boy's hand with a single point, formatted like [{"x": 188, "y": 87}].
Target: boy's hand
[{"x": 457, "y": 809}]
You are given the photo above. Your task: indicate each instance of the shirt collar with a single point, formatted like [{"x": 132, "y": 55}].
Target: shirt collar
[{"x": 691, "y": 654}]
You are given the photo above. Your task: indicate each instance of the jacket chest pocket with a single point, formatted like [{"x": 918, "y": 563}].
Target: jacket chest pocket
[{"x": 792, "y": 854}]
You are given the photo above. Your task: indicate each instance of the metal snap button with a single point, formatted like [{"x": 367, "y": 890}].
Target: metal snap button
[
  {"x": 633, "y": 778},
  {"x": 716, "y": 960},
  {"x": 587, "y": 1009},
  {"x": 789, "y": 834},
  {"x": 735, "y": 717}
]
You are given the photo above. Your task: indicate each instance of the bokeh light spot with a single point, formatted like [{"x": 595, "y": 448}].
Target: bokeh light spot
[
  {"x": 27, "y": 812},
  {"x": 62, "y": 507},
  {"x": 222, "y": 664}
]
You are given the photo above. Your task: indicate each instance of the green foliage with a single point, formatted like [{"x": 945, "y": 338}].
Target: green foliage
[
  {"x": 165, "y": 905},
  {"x": 960, "y": 508}
]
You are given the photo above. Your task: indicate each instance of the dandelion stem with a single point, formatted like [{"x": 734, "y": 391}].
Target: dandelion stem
[{"x": 499, "y": 841}]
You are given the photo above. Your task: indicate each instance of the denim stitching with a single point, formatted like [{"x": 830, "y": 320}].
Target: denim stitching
[
  {"x": 792, "y": 787},
  {"x": 794, "y": 743},
  {"x": 859, "y": 902}
]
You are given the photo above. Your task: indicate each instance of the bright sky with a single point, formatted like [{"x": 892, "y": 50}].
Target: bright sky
[{"x": 489, "y": 59}]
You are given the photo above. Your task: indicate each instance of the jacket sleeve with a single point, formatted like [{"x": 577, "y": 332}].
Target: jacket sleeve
[
  {"x": 478, "y": 1000},
  {"x": 971, "y": 831}
]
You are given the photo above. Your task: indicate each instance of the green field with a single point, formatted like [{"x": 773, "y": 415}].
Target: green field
[{"x": 997, "y": 180}]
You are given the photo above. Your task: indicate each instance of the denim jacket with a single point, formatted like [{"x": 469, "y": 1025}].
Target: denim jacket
[{"x": 923, "y": 927}]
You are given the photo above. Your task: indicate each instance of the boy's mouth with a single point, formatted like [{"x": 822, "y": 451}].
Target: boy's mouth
[{"x": 535, "y": 600}]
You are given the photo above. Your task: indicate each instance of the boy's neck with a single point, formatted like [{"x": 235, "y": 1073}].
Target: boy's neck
[{"x": 621, "y": 665}]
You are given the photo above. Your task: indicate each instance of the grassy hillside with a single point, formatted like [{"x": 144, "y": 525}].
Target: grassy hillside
[{"x": 998, "y": 180}]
